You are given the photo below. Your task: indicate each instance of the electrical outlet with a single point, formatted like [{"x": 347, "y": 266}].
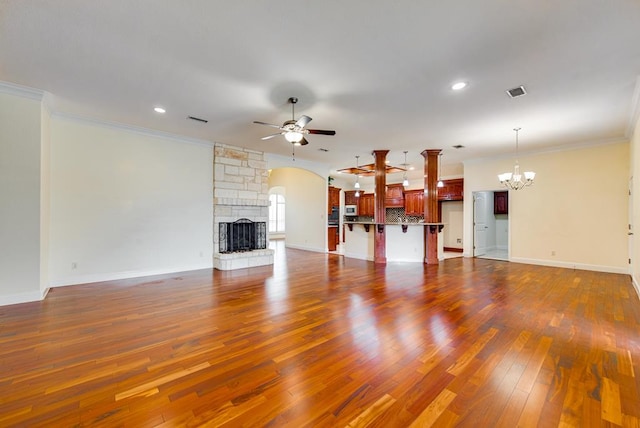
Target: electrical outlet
[
  {"x": 553, "y": 253},
  {"x": 74, "y": 265},
  {"x": 459, "y": 241}
]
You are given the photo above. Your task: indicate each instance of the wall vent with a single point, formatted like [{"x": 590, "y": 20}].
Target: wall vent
[
  {"x": 517, "y": 92},
  {"x": 197, "y": 119}
]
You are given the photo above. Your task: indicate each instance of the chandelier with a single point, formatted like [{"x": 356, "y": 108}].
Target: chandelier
[{"x": 515, "y": 180}]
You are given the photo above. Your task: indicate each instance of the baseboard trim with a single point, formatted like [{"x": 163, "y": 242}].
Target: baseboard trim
[
  {"x": 115, "y": 276},
  {"x": 571, "y": 265},
  {"x": 305, "y": 248},
  {"x": 18, "y": 298},
  {"x": 635, "y": 285},
  {"x": 453, "y": 249}
]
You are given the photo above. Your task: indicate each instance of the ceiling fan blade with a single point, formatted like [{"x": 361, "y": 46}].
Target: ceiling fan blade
[
  {"x": 303, "y": 142},
  {"x": 302, "y": 122},
  {"x": 267, "y": 124},
  {"x": 321, "y": 132},
  {"x": 271, "y": 136}
]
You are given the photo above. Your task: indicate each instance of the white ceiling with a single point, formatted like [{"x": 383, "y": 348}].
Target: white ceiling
[{"x": 378, "y": 72}]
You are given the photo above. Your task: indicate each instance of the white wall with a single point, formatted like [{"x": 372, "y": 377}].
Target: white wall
[
  {"x": 20, "y": 195},
  {"x": 577, "y": 208},
  {"x": 126, "y": 204},
  {"x": 502, "y": 231},
  {"x": 635, "y": 189},
  {"x": 45, "y": 197},
  {"x": 453, "y": 219},
  {"x": 306, "y": 207}
]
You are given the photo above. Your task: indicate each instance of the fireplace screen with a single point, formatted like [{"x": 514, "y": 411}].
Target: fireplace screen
[{"x": 243, "y": 235}]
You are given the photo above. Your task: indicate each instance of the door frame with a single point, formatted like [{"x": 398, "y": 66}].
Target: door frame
[{"x": 473, "y": 221}]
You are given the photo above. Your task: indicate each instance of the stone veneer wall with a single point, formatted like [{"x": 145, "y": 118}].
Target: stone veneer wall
[{"x": 240, "y": 190}]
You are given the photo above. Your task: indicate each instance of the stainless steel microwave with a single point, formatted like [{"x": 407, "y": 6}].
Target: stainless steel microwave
[{"x": 351, "y": 210}]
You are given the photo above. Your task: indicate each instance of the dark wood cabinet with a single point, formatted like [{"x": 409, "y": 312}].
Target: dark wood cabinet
[
  {"x": 366, "y": 206},
  {"x": 501, "y": 202},
  {"x": 414, "y": 202},
  {"x": 453, "y": 190},
  {"x": 394, "y": 196},
  {"x": 333, "y": 237},
  {"x": 334, "y": 198},
  {"x": 350, "y": 197}
]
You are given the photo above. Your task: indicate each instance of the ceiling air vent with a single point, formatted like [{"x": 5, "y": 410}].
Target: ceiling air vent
[
  {"x": 517, "y": 92},
  {"x": 197, "y": 119},
  {"x": 458, "y": 146}
]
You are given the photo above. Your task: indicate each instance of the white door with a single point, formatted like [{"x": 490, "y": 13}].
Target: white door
[{"x": 479, "y": 223}]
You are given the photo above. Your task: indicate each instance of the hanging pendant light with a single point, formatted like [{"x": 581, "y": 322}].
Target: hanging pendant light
[
  {"x": 357, "y": 185},
  {"x": 440, "y": 182},
  {"x": 405, "y": 181},
  {"x": 515, "y": 180}
]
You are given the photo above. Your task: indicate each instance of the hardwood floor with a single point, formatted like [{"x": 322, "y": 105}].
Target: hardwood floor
[{"x": 323, "y": 340}]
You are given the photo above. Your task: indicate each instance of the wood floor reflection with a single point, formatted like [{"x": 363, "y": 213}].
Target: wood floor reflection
[{"x": 323, "y": 340}]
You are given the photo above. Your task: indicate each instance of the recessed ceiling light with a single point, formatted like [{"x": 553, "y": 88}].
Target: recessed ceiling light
[
  {"x": 159, "y": 110},
  {"x": 458, "y": 86}
]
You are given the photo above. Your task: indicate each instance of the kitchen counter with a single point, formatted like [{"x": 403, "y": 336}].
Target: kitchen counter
[{"x": 403, "y": 244}]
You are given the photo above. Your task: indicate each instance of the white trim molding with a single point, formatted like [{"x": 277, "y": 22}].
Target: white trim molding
[
  {"x": 570, "y": 265},
  {"x": 21, "y": 91}
]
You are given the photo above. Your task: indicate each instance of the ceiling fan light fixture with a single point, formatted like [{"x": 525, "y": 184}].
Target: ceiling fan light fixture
[{"x": 293, "y": 137}]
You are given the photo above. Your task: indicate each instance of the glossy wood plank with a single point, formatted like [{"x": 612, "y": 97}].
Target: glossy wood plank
[{"x": 321, "y": 340}]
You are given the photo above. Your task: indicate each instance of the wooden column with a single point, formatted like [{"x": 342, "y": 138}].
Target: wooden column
[
  {"x": 431, "y": 205},
  {"x": 380, "y": 214}
]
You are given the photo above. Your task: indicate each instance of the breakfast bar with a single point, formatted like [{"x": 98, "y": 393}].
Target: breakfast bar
[{"x": 404, "y": 240}]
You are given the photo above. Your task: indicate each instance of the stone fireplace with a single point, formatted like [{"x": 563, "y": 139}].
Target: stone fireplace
[{"x": 241, "y": 198}]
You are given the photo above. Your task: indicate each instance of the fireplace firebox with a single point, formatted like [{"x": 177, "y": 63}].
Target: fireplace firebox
[{"x": 242, "y": 235}]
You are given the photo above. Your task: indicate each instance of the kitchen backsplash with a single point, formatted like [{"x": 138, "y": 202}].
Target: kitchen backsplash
[{"x": 393, "y": 215}]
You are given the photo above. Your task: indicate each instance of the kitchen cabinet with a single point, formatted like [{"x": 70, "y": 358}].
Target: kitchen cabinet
[
  {"x": 350, "y": 197},
  {"x": 501, "y": 202},
  {"x": 453, "y": 190},
  {"x": 394, "y": 196},
  {"x": 366, "y": 206},
  {"x": 333, "y": 237},
  {"x": 334, "y": 198},
  {"x": 414, "y": 202}
]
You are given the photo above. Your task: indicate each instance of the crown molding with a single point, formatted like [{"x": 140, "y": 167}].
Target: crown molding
[
  {"x": 556, "y": 149},
  {"x": 131, "y": 128},
  {"x": 21, "y": 91}
]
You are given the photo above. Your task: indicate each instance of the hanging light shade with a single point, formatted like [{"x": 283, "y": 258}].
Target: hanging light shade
[
  {"x": 357, "y": 185},
  {"x": 516, "y": 180},
  {"x": 405, "y": 181},
  {"x": 293, "y": 137},
  {"x": 440, "y": 182}
]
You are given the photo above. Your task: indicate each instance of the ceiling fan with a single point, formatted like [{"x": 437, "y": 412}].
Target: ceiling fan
[{"x": 294, "y": 130}]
